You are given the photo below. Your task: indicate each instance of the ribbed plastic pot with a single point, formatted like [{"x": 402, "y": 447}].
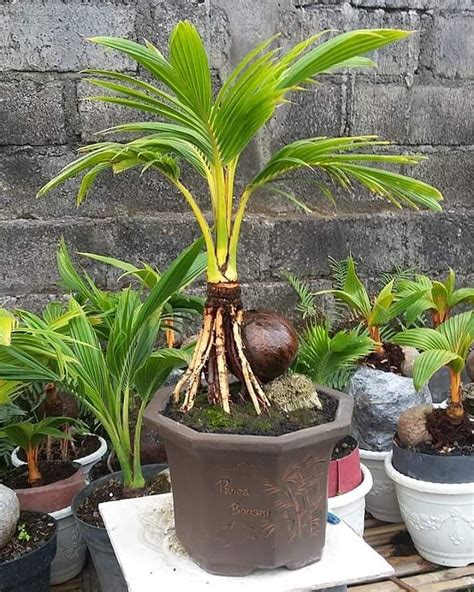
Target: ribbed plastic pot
[
  {"x": 86, "y": 462},
  {"x": 30, "y": 572},
  {"x": 248, "y": 502},
  {"x": 97, "y": 539},
  {"x": 381, "y": 500},
  {"x": 438, "y": 516},
  {"x": 350, "y": 506},
  {"x": 71, "y": 549}
]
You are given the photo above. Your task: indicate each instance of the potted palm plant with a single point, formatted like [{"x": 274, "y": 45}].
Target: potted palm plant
[
  {"x": 438, "y": 300},
  {"x": 48, "y": 486},
  {"x": 380, "y": 389},
  {"x": 241, "y": 477},
  {"x": 432, "y": 464},
  {"x": 329, "y": 360},
  {"x": 103, "y": 349}
]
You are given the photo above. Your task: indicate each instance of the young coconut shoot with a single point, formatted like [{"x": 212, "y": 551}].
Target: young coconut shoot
[
  {"x": 210, "y": 134},
  {"x": 447, "y": 345},
  {"x": 376, "y": 313},
  {"x": 29, "y": 437},
  {"x": 438, "y": 297}
]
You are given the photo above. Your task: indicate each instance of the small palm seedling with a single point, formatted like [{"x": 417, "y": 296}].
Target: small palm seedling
[
  {"x": 330, "y": 360},
  {"x": 104, "y": 350},
  {"x": 209, "y": 134},
  {"x": 447, "y": 345},
  {"x": 438, "y": 297},
  {"x": 30, "y": 436},
  {"x": 373, "y": 313}
]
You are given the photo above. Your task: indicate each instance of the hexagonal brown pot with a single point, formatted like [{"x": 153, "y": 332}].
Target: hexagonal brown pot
[{"x": 248, "y": 502}]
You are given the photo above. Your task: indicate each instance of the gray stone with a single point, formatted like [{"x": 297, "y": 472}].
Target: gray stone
[
  {"x": 470, "y": 365},
  {"x": 379, "y": 399},
  {"x": 9, "y": 514},
  {"x": 411, "y": 353},
  {"x": 46, "y": 36},
  {"x": 31, "y": 111}
]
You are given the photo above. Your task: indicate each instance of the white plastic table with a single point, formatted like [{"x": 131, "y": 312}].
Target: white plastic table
[{"x": 151, "y": 557}]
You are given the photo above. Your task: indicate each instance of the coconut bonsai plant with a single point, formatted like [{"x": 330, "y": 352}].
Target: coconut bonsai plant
[
  {"x": 210, "y": 133},
  {"x": 27, "y": 546},
  {"x": 433, "y": 461}
]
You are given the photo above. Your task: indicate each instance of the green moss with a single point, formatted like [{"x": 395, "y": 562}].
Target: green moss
[{"x": 205, "y": 417}]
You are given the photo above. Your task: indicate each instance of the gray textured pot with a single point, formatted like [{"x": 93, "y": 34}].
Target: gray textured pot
[
  {"x": 71, "y": 549},
  {"x": 97, "y": 539}
]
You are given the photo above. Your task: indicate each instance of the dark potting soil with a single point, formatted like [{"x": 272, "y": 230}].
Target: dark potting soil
[
  {"x": 114, "y": 490},
  {"x": 390, "y": 359},
  {"x": 344, "y": 447},
  {"x": 84, "y": 445},
  {"x": 33, "y": 531},
  {"x": 205, "y": 417},
  {"x": 449, "y": 439},
  {"x": 51, "y": 472}
]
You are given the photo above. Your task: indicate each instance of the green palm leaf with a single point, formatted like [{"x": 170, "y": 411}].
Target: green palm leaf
[{"x": 429, "y": 362}]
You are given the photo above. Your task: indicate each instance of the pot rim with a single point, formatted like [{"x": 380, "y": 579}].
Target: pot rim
[
  {"x": 62, "y": 513},
  {"x": 43, "y": 543},
  {"x": 97, "y": 483},
  {"x": 84, "y": 460},
  {"x": 373, "y": 454},
  {"x": 355, "y": 494},
  {"x": 61, "y": 483},
  {"x": 426, "y": 486},
  {"x": 341, "y": 423}
]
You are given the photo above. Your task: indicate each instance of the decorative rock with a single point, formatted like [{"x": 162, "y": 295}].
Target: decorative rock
[
  {"x": 9, "y": 514},
  {"x": 412, "y": 429},
  {"x": 379, "y": 399},
  {"x": 470, "y": 365},
  {"x": 410, "y": 353},
  {"x": 293, "y": 391}
]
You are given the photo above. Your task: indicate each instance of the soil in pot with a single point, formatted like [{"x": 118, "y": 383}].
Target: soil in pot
[
  {"x": 208, "y": 418},
  {"x": 114, "y": 490},
  {"x": 84, "y": 446},
  {"x": 34, "y": 530},
  {"x": 51, "y": 472},
  {"x": 389, "y": 359},
  {"x": 343, "y": 448}
]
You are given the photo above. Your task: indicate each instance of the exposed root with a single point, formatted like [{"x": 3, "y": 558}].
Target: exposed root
[{"x": 219, "y": 348}]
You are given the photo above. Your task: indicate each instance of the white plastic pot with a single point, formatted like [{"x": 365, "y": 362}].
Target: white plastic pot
[
  {"x": 71, "y": 549},
  {"x": 86, "y": 462},
  {"x": 350, "y": 506},
  {"x": 381, "y": 500},
  {"x": 438, "y": 516}
]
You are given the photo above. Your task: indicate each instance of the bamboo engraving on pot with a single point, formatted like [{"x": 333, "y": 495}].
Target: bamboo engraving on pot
[
  {"x": 299, "y": 497},
  {"x": 425, "y": 522}
]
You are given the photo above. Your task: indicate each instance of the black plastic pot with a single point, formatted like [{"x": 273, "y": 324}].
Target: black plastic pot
[
  {"x": 30, "y": 572},
  {"x": 435, "y": 468},
  {"x": 97, "y": 539}
]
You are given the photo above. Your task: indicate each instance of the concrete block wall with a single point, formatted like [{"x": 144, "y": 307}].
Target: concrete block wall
[{"x": 420, "y": 97}]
